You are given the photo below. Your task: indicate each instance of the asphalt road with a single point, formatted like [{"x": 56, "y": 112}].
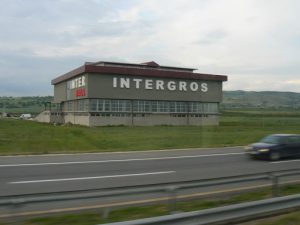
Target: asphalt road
[{"x": 49, "y": 173}]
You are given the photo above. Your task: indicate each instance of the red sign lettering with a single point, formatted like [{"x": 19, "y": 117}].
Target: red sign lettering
[{"x": 80, "y": 92}]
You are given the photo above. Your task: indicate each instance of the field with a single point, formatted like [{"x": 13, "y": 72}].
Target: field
[{"x": 236, "y": 129}]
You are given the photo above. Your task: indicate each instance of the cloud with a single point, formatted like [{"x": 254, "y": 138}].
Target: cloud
[
  {"x": 294, "y": 82},
  {"x": 262, "y": 82},
  {"x": 213, "y": 37},
  {"x": 245, "y": 40}
]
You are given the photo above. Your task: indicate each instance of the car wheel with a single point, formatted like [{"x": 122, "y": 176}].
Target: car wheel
[{"x": 274, "y": 156}]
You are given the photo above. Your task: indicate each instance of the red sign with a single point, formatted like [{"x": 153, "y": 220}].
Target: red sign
[{"x": 80, "y": 92}]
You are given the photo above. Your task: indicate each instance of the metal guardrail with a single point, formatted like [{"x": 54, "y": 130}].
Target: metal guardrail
[
  {"x": 169, "y": 188},
  {"x": 129, "y": 190},
  {"x": 224, "y": 215}
]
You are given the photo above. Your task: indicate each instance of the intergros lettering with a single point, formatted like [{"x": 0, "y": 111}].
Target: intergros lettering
[
  {"x": 148, "y": 84},
  {"x": 77, "y": 82}
]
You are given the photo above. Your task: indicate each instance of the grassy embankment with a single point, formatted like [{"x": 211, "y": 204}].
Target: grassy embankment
[{"x": 238, "y": 128}]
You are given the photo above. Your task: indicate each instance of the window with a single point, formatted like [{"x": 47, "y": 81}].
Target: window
[
  {"x": 199, "y": 107},
  {"x": 107, "y": 105},
  {"x": 181, "y": 107},
  {"x": 93, "y": 105},
  {"x": 141, "y": 106},
  {"x": 86, "y": 105},
  {"x": 80, "y": 105},
  {"x": 70, "y": 106},
  {"x": 172, "y": 106},
  {"x": 114, "y": 105},
  {"x": 163, "y": 106},
  {"x": 147, "y": 106},
  {"x": 154, "y": 106},
  {"x": 100, "y": 105},
  {"x": 124, "y": 106},
  {"x": 293, "y": 140}
]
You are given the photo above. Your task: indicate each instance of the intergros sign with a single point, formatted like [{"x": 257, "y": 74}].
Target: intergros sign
[
  {"x": 149, "y": 84},
  {"x": 78, "y": 84}
]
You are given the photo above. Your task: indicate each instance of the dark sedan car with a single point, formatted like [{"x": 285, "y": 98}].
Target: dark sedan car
[{"x": 275, "y": 146}]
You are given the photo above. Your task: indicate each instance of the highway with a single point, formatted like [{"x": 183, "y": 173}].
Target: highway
[{"x": 51, "y": 173}]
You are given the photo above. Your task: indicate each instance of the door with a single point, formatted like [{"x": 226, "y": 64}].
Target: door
[{"x": 293, "y": 145}]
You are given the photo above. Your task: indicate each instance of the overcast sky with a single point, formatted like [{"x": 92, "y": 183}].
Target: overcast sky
[{"x": 255, "y": 42}]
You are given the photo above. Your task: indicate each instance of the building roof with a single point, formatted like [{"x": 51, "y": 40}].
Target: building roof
[{"x": 147, "y": 69}]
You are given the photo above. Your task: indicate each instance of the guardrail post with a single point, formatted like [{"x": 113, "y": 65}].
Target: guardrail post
[
  {"x": 172, "y": 191},
  {"x": 275, "y": 185},
  {"x": 16, "y": 208},
  {"x": 105, "y": 213}
]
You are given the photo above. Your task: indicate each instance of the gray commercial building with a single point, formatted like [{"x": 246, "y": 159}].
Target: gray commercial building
[{"x": 146, "y": 94}]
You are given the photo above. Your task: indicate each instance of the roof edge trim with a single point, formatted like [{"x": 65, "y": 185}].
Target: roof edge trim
[{"x": 113, "y": 70}]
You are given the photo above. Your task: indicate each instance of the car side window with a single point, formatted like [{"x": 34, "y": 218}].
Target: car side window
[
  {"x": 293, "y": 139},
  {"x": 297, "y": 139}
]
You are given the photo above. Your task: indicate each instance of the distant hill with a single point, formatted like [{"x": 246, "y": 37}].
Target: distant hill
[
  {"x": 263, "y": 99},
  {"x": 231, "y": 99},
  {"x": 31, "y": 104}
]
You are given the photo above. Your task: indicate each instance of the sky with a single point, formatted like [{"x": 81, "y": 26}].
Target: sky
[{"x": 256, "y": 43}]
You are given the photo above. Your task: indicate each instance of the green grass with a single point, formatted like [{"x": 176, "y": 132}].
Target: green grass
[
  {"x": 132, "y": 213},
  {"x": 286, "y": 219},
  {"x": 24, "y": 137}
]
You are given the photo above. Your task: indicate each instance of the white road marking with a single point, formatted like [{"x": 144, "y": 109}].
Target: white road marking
[
  {"x": 74, "y": 153},
  {"x": 91, "y": 178},
  {"x": 286, "y": 161},
  {"x": 119, "y": 160}
]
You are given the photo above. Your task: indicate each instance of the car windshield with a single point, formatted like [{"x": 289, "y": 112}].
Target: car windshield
[{"x": 272, "y": 139}]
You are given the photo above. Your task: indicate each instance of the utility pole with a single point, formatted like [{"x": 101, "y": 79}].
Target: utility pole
[{"x": 3, "y": 109}]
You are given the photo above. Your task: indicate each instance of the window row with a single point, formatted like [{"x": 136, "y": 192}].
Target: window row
[{"x": 139, "y": 106}]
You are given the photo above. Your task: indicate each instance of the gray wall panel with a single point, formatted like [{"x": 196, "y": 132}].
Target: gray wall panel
[
  {"x": 60, "y": 92},
  {"x": 101, "y": 86}
]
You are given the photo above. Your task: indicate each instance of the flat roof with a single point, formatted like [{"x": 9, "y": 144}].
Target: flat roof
[
  {"x": 145, "y": 65},
  {"x": 147, "y": 69}
]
